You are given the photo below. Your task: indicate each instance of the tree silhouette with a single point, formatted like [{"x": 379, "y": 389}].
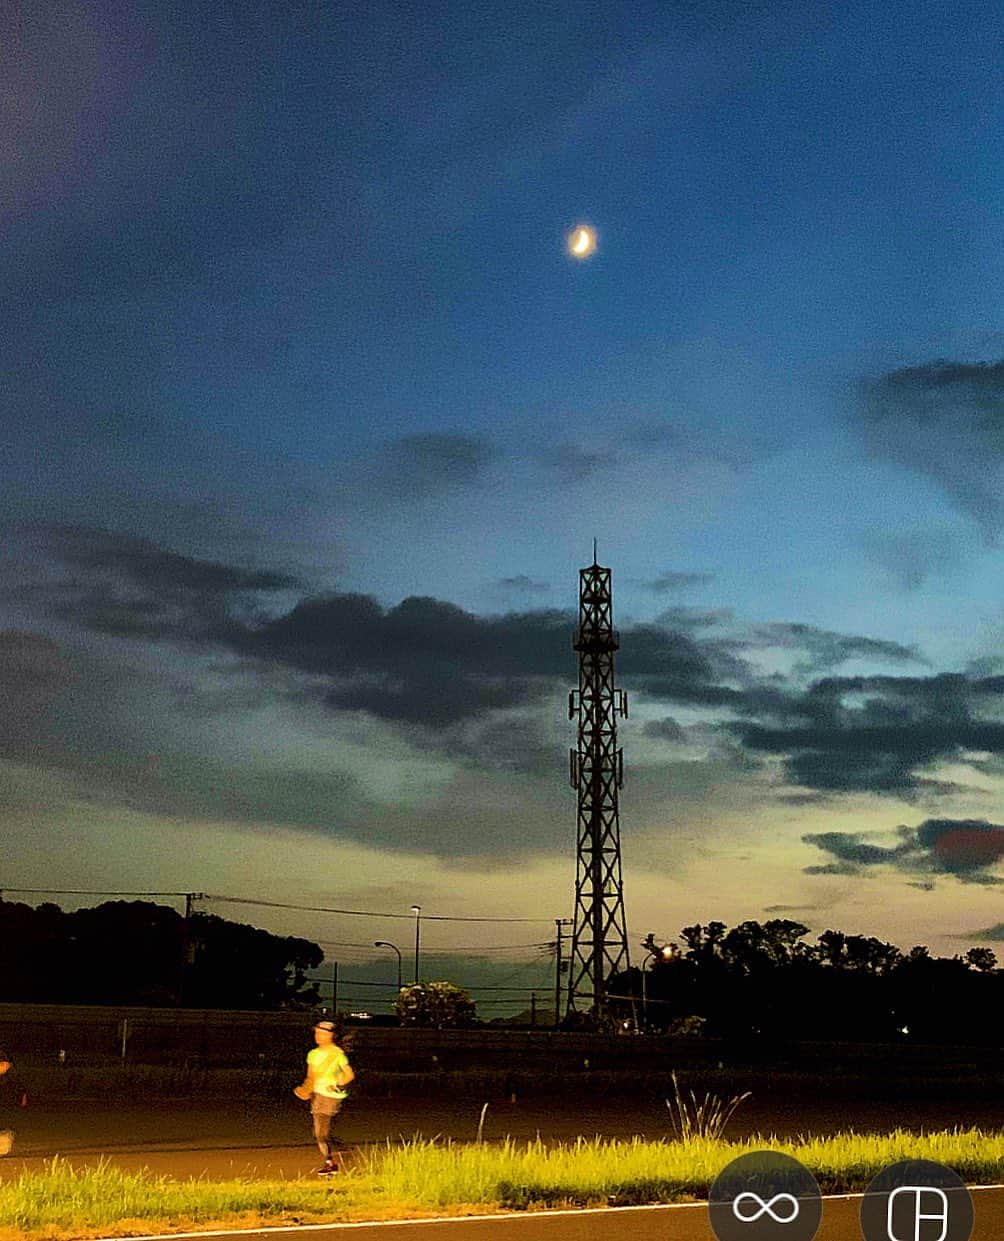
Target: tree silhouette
[
  {"x": 764, "y": 981},
  {"x": 982, "y": 959},
  {"x": 137, "y": 952}
]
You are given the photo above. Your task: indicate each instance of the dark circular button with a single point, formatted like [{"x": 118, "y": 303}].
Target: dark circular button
[
  {"x": 917, "y": 1200},
  {"x": 765, "y": 1196}
]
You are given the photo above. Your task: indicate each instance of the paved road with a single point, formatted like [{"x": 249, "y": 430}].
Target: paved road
[{"x": 667, "y": 1223}]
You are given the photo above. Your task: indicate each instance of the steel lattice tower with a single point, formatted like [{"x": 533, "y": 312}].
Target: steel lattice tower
[{"x": 599, "y": 938}]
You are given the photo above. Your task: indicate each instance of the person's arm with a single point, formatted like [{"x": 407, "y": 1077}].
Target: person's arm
[{"x": 306, "y": 1087}]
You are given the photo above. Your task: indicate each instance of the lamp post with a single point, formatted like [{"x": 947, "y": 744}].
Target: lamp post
[
  {"x": 385, "y": 943},
  {"x": 417, "y": 911},
  {"x": 657, "y": 952}
]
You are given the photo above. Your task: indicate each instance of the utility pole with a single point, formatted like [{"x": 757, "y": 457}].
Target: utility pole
[
  {"x": 187, "y": 946},
  {"x": 558, "y": 963},
  {"x": 599, "y": 936}
]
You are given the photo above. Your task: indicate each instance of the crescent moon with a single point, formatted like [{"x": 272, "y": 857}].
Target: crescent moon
[{"x": 582, "y": 242}]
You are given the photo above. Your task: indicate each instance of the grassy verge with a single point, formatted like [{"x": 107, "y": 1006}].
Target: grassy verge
[
  {"x": 520, "y": 1175},
  {"x": 421, "y": 1178}
]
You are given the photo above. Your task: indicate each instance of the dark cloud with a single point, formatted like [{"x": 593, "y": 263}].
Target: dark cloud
[
  {"x": 522, "y": 583},
  {"x": 851, "y": 849},
  {"x": 791, "y": 798},
  {"x": 990, "y": 934},
  {"x": 946, "y": 420},
  {"x": 429, "y": 665},
  {"x": 32, "y": 672},
  {"x": 29, "y": 663},
  {"x": 654, "y": 653},
  {"x": 428, "y": 662},
  {"x": 910, "y": 557},
  {"x": 693, "y": 619},
  {"x": 148, "y": 565},
  {"x": 665, "y": 730},
  {"x": 123, "y": 585},
  {"x": 671, "y": 580},
  {"x": 962, "y": 845},
  {"x": 979, "y": 878},
  {"x": 823, "y": 649},
  {"x": 968, "y": 849},
  {"x": 431, "y": 464},
  {"x": 423, "y": 661},
  {"x": 574, "y": 464},
  {"x": 879, "y": 734},
  {"x": 520, "y": 742}
]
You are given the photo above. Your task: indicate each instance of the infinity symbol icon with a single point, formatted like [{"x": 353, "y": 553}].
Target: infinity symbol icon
[{"x": 766, "y": 1208}]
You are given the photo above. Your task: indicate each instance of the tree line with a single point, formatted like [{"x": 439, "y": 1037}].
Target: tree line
[
  {"x": 762, "y": 980},
  {"x": 138, "y": 952}
]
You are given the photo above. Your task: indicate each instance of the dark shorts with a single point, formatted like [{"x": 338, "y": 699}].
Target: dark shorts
[{"x": 322, "y": 1105}]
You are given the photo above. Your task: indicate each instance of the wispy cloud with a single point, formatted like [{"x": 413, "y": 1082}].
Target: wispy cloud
[
  {"x": 574, "y": 464},
  {"x": 946, "y": 420},
  {"x": 522, "y": 584},
  {"x": 672, "y": 580},
  {"x": 433, "y": 463}
]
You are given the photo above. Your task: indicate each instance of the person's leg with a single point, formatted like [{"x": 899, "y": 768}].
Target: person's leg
[
  {"x": 322, "y": 1131},
  {"x": 323, "y": 1111}
]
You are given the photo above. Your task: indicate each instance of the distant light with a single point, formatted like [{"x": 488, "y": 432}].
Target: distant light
[{"x": 581, "y": 241}]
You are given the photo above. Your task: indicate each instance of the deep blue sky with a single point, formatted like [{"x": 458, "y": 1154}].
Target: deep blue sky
[{"x": 291, "y": 338}]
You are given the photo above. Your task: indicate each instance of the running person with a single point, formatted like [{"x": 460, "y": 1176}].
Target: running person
[
  {"x": 6, "y": 1135},
  {"x": 328, "y": 1073}
]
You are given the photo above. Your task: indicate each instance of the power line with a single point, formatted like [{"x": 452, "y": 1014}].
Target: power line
[
  {"x": 360, "y": 913},
  {"x": 242, "y": 900},
  {"x": 85, "y": 892},
  {"x": 472, "y": 987},
  {"x": 445, "y": 952}
]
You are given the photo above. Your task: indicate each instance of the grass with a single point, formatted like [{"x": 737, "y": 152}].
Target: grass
[
  {"x": 705, "y": 1119},
  {"x": 420, "y": 1177}
]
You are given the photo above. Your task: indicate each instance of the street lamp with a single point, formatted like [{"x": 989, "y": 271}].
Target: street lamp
[
  {"x": 417, "y": 911},
  {"x": 385, "y": 943},
  {"x": 658, "y": 952}
]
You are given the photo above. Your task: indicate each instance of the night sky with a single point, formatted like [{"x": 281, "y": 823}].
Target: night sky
[{"x": 310, "y": 419}]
